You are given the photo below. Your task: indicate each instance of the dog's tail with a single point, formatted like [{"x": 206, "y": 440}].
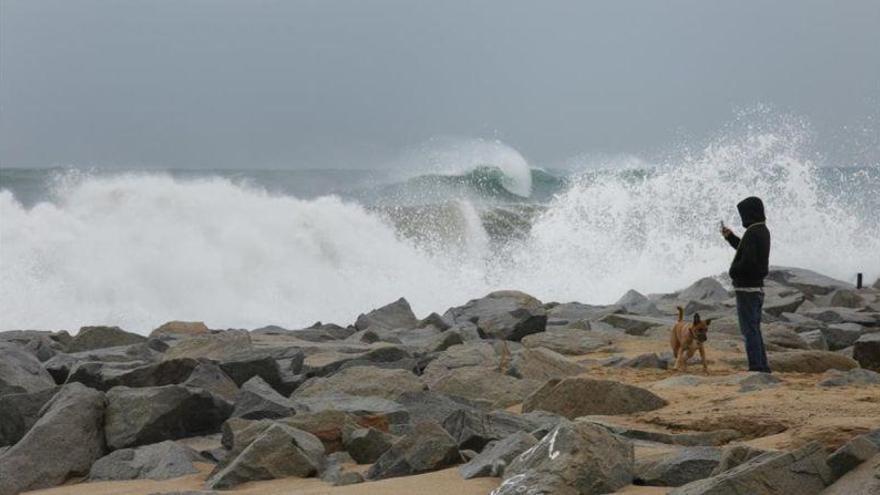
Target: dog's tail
[{"x": 680, "y": 313}]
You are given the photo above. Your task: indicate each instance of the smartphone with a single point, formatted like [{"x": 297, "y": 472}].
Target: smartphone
[{"x": 722, "y": 225}]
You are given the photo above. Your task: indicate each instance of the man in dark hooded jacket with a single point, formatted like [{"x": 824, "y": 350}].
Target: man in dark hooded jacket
[{"x": 748, "y": 269}]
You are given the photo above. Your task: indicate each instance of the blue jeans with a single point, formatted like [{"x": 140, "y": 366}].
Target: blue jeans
[{"x": 748, "y": 309}]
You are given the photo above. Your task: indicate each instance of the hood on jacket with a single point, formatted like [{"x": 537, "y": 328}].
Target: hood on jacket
[{"x": 751, "y": 210}]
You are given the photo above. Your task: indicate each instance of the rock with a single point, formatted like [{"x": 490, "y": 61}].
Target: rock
[
  {"x": 472, "y": 430},
  {"x": 427, "y": 447},
  {"x": 21, "y": 372},
  {"x": 245, "y": 366},
  {"x": 395, "y": 315},
  {"x": 122, "y": 357},
  {"x": 574, "y": 459},
  {"x": 258, "y": 400},
  {"x": 853, "y": 453},
  {"x": 371, "y": 411},
  {"x": 777, "y": 306},
  {"x": 842, "y": 315},
  {"x": 866, "y": 351},
  {"x": 649, "y": 360},
  {"x": 180, "y": 329},
  {"x": 366, "y": 445},
  {"x": 364, "y": 381},
  {"x": 91, "y": 338},
  {"x": 542, "y": 364},
  {"x": 842, "y": 335},
  {"x": 842, "y": 298},
  {"x": 735, "y": 454},
  {"x": 159, "y": 461},
  {"x": 64, "y": 442},
  {"x": 802, "y": 361},
  {"x": 279, "y": 451},
  {"x": 686, "y": 439},
  {"x": 705, "y": 289},
  {"x": 783, "y": 337},
  {"x": 318, "y": 332},
  {"x": 864, "y": 480},
  {"x": 484, "y": 384},
  {"x": 329, "y": 426},
  {"x": 636, "y": 325},
  {"x": 470, "y": 354},
  {"x": 209, "y": 376},
  {"x": 809, "y": 282},
  {"x": 334, "y": 473},
  {"x": 800, "y": 322},
  {"x": 636, "y": 303},
  {"x": 326, "y": 363},
  {"x": 138, "y": 416},
  {"x": 497, "y": 456},
  {"x": 218, "y": 346},
  {"x": 681, "y": 381},
  {"x": 678, "y": 467},
  {"x": 566, "y": 341},
  {"x": 802, "y": 471},
  {"x": 755, "y": 381},
  {"x": 508, "y": 315},
  {"x": 19, "y": 412},
  {"x": 815, "y": 339},
  {"x": 432, "y": 406},
  {"x": 574, "y": 397},
  {"x": 854, "y": 377}
]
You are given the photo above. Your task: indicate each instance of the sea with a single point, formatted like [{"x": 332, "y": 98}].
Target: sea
[{"x": 244, "y": 248}]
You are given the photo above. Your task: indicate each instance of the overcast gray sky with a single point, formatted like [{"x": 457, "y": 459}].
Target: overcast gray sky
[{"x": 324, "y": 83}]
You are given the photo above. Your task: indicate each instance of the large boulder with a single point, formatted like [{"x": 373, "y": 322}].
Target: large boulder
[
  {"x": 433, "y": 406},
  {"x": 376, "y": 412},
  {"x": 801, "y": 472},
  {"x": 278, "y": 452},
  {"x": 180, "y": 329},
  {"x": 853, "y": 453},
  {"x": 542, "y": 364},
  {"x": 139, "y": 416},
  {"x": 809, "y": 282},
  {"x": 574, "y": 459},
  {"x": 842, "y": 298},
  {"x": 864, "y": 480},
  {"x": 91, "y": 338},
  {"x": 258, "y": 400},
  {"x": 507, "y": 314},
  {"x": 496, "y": 456},
  {"x": 159, "y": 461},
  {"x": 218, "y": 346},
  {"x": 570, "y": 341},
  {"x": 574, "y": 397},
  {"x": 427, "y": 447},
  {"x": 856, "y": 377},
  {"x": 777, "y": 305},
  {"x": 395, "y": 315},
  {"x": 842, "y": 335},
  {"x": 706, "y": 289},
  {"x": 481, "y": 384},
  {"x": 732, "y": 455},
  {"x": 64, "y": 442},
  {"x": 779, "y": 337},
  {"x": 364, "y": 381},
  {"x": 842, "y": 315},
  {"x": 21, "y": 371},
  {"x": 366, "y": 445},
  {"x": 19, "y": 412},
  {"x": 473, "y": 430},
  {"x": 636, "y": 325},
  {"x": 121, "y": 357},
  {"x": 678, "y": 467},
  {"x": 802, "y": 361},
  {"x": 635, "y": 302},
  {"x": 866, "y": 351}
]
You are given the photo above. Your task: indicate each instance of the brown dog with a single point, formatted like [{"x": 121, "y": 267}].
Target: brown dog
[{"x": 687, "y": 338}]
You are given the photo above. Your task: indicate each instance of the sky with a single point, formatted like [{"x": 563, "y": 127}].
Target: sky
[{"x": 348, "y": 84}]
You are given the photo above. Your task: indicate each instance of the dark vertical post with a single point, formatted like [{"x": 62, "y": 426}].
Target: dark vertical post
[{"x": 859, "y": 281}]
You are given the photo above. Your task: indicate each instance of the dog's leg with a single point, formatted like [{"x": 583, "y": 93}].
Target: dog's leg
[
  {"x": 703, "y": 360},
  {"x": 679, "y": 359},
  {"x": 688, "y": 354}
]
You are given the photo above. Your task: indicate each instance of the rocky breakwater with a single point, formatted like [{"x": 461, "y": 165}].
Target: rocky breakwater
[{"x": 562, "y": 398}]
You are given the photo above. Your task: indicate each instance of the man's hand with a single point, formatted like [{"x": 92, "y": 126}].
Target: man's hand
[{"x": 725, "y": 231}]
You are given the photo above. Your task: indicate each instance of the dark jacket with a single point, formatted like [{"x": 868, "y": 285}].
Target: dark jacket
[{"x": 751, "y": 263}]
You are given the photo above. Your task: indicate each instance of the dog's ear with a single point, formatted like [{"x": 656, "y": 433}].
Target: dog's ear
[{"x": 696, "y": 318}]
